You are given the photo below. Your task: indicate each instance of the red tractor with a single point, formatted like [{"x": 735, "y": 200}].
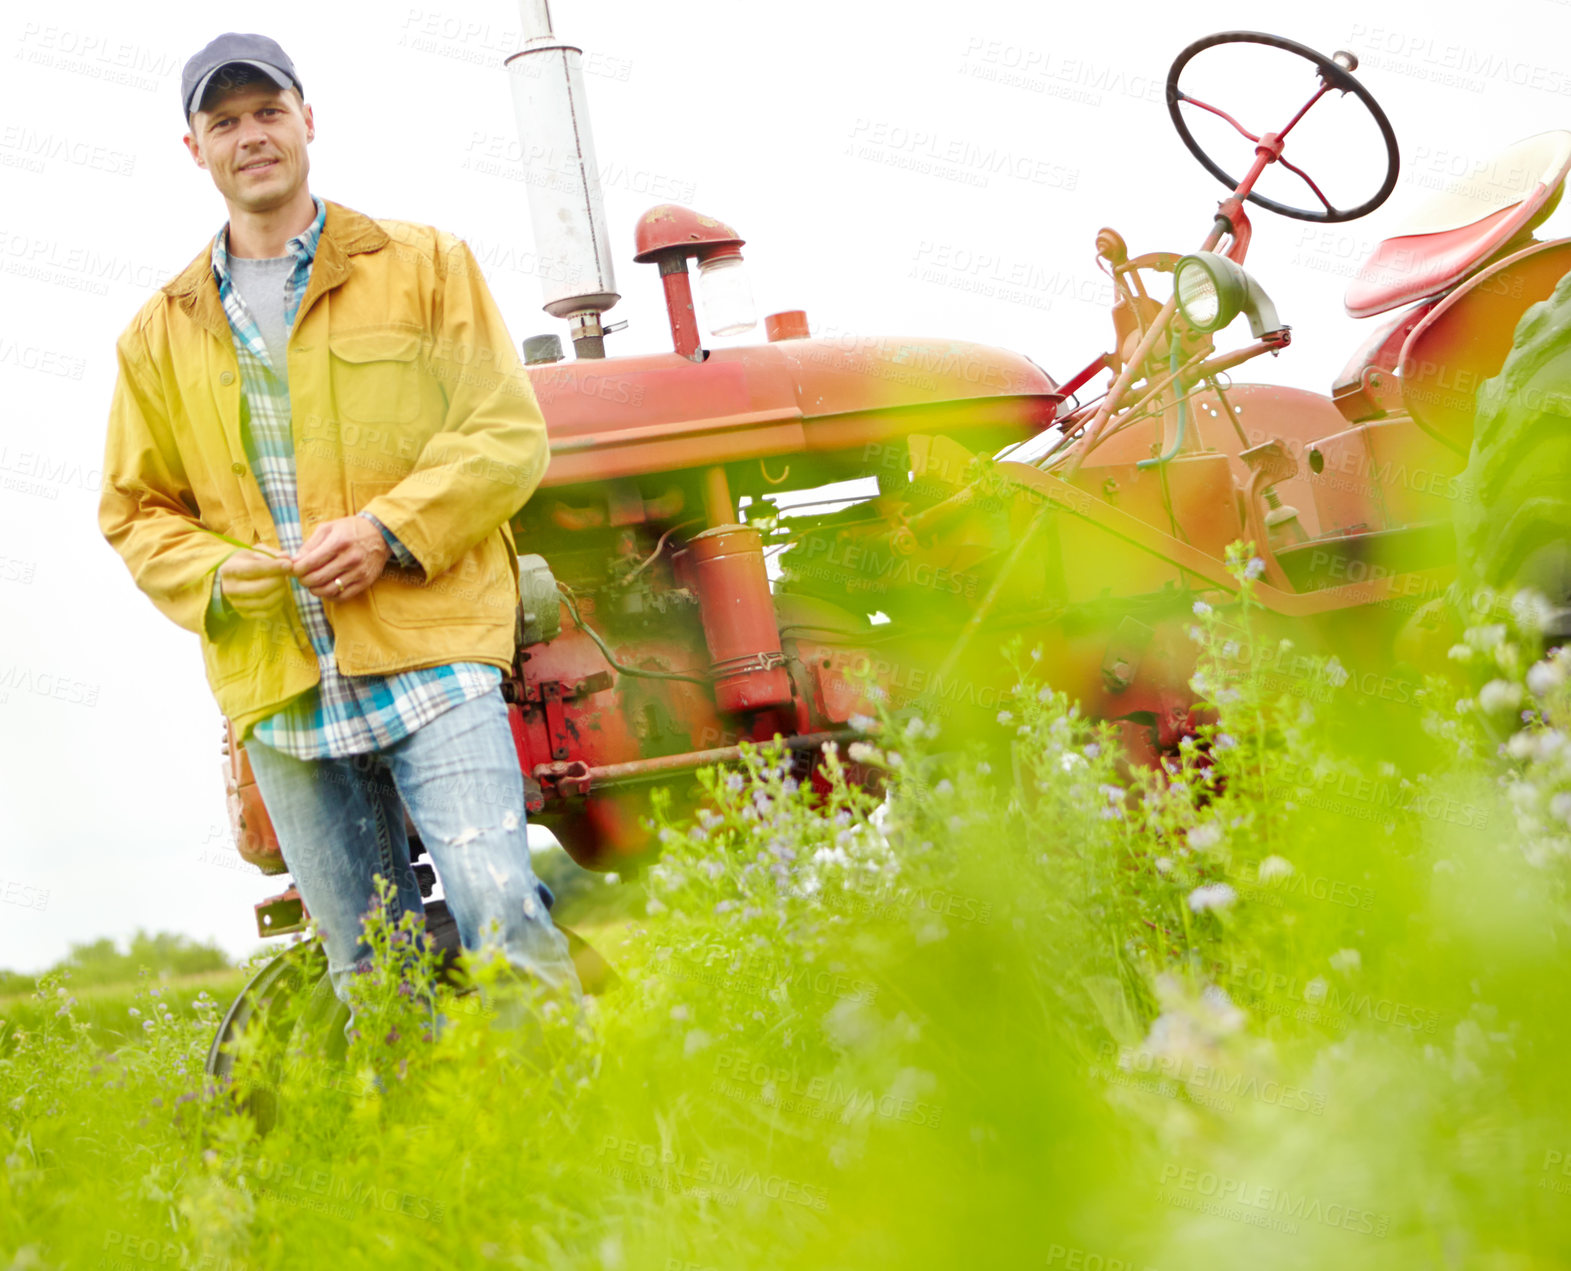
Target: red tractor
[{"x": 654, "y": 636}]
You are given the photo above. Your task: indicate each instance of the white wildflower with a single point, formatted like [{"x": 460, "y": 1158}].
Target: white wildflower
[
  {"x": 1006, "y": 717},
  {"x": 1335, "y": 673},
  {"x": 862, "y": 723},
  {"x": 1255, "y": 568},
  {"x": 1500, "y": 695},
  {"x": 1487, "y": 637},
  {"x": 1200, "y": 609},
  {"x": 1532, "y": 609},
  {"x": 1346, "y": 961},
  {"x": 1203, "y": 837},
  {"x": 1189, "y": 1028},
  {"x": 679, "y": 1012},
  {"x": 1274, "y": 867},
  {"x": 1523, "y": 745},
  {"x": 1216, "y": 896},
  {"x": 1219, "y": 1011},
  {"x": 1544, "y": 677},
  {"x": 1164, "y": 864},
  {"x": 1542, "y": 852}
]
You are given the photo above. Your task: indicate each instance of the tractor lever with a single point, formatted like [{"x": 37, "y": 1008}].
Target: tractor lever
[{"x": 1268, "y": 464}]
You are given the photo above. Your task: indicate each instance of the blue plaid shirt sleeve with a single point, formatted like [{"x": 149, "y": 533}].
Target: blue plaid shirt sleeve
[{"x": 401, "y": 554}]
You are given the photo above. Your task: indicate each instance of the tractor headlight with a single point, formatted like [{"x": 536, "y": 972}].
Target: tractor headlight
[{"x": 1212, "y": 290}]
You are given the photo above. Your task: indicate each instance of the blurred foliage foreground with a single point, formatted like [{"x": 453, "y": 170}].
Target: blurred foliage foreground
[{"x": 1300, "y": 1001}]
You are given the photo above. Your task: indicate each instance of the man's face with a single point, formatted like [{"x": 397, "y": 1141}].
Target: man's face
[{"x": 253, "y": 141}]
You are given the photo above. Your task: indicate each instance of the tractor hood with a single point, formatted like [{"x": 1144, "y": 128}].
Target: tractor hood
[{"x": 630, "y": 416}]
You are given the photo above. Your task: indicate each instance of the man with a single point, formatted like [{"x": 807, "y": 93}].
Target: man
[{"x": 341, "y": 395}]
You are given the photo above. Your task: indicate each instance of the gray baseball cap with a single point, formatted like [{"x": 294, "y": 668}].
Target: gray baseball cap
[{"x": 249, "y": 50}]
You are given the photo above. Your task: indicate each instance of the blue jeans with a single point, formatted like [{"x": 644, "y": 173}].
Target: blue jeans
[{"x": 341, "y": 821}]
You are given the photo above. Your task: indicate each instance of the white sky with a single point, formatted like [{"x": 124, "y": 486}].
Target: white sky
[{"x": 799, "y": 124}]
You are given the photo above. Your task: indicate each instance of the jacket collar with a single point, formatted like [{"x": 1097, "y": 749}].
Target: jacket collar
[
  {"x": 345, "y": 233},
  {"x": 302, "y": 246}
]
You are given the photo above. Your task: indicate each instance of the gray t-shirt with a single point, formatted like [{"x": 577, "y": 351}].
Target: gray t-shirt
[{"x": 260, "y": 282}]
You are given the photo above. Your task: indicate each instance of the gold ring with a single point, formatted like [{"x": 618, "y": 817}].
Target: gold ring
[{"x": 340, "y": 583}]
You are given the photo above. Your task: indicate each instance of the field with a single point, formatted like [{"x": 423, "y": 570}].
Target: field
[{"x": 1302, "y": 1002}]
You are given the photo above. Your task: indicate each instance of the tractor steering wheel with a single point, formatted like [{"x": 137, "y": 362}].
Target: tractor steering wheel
[{"x": 1333, "y": 75}]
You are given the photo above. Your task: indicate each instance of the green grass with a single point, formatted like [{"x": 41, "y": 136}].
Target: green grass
[
  {"x": 1301, "y": 1003},
  {"x": 105, "y": 1008}
]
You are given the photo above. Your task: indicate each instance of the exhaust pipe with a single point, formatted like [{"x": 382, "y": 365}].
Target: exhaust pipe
[{"x": 565, "y": 201}]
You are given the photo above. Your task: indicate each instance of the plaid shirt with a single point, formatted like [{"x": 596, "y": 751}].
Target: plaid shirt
[{"x": 343, "y": 715}]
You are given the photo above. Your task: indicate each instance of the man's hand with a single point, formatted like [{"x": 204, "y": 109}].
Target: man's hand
[
  {"x": 255, "y": 583},
  {"x": 341, "y": 558}
]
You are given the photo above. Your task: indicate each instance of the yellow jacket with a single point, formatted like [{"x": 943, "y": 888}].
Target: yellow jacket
[{"x": 408, "y": 402}]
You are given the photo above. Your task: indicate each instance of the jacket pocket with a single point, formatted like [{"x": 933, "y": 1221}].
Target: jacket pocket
[
  {"x": 477, "y": 590},
  {"x": 252, "y": 646},
  {"x": 376, "y": 374}
]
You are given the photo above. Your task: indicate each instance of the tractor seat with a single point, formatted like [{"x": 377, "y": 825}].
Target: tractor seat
[{"x": 1463, "y": 225}]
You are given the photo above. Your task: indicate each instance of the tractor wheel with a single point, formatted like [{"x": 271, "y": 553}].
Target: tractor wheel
[
  {"x": 289, "y": 1008},
  {"x": 266, "y": 1011},
  {"x": 1513, "y": 522}
]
